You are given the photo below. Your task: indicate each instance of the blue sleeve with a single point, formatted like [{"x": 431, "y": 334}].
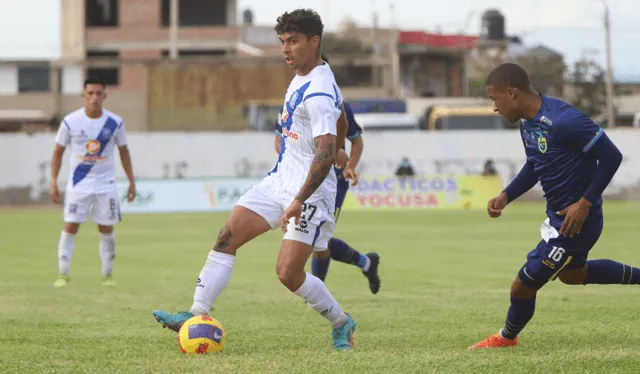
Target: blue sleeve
[
  {"x": 277, "y": 128},
  {"x": 609, "y": 160},
  {"x": 523, "y": 182},
  {"x": 354, "y": 129},
  {"x": 575, "y": 130}
]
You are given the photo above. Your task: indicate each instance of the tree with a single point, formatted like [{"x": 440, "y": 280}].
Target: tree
[
  {"x": 588, "y": 79},
  {"x": 545, "y": 72}
]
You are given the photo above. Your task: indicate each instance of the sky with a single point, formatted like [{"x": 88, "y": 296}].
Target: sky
[{"x": 31, "y": 28}]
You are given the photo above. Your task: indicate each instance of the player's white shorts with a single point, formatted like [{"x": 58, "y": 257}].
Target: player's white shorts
[
  {"x": 316, "y": 225},
  {"x": 103, "y": 208}
]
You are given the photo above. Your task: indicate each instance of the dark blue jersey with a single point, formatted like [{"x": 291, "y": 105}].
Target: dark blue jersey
[{"x": 558, "y": 144}]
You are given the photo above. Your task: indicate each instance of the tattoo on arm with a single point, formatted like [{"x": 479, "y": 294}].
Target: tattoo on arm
[
  {"x": 224, "y": 237},
  {"x": 320, "y": 166}
]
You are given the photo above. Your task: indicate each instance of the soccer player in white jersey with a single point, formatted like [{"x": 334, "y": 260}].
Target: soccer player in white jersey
[
  {"x": 92, "y": 134},
  {"x": 298, "y": 194}
]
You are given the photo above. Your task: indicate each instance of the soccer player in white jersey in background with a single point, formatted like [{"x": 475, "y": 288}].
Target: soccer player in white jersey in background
[
  {"x": 92, "y": 133},
  {"x": 298, "y": 194}
]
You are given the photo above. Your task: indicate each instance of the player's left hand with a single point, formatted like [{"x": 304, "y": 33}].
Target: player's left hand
[
  {"x": 350, "y": 173},
  {"x": 131, "y": 193},
  {"x": 294, "y": 210},
  {"x": 574, "y": 216},
  {"x": 341, "y": 159}
]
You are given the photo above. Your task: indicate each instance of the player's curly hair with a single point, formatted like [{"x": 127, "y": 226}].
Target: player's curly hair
[
  {"x": 303, "y": 21},
  {"x": 509, "y": 74}
]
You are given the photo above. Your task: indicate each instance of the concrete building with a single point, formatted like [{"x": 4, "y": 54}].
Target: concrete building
[{"x": 120, "y": 41}]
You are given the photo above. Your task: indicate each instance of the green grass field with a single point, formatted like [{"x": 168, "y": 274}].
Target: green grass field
[{"x": 445, "y": 285}]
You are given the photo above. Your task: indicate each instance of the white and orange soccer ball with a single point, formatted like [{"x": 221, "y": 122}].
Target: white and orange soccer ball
[{"x": 201, "y": 334}]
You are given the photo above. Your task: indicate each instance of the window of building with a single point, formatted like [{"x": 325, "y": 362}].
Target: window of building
[
  {"x": 110, "y": 76},
  {"x": 34, "y": 79},
  {"x": 195, "y": 52},
  {"x": 101, "y": 13},
  {"x": 196, "y": 12}
]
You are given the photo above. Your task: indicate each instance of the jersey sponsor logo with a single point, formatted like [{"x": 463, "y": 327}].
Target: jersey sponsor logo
[
  {"x": 92, "y": 156},
  {"x": 290, "y": 134},
  {"x": 92, "y": 146},
  {"x": 546, "y": 120}
]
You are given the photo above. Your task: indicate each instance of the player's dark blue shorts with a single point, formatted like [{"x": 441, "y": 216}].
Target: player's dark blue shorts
[
  {"x": 551, "y": 257},
  {"x": 343, "y": 187}
]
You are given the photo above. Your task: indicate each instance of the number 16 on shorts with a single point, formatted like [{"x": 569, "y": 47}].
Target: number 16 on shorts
[{"x": 556, "y": 254}]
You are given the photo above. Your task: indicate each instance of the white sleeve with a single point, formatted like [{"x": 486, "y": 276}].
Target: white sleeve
[
  {"x": 63, "y": 137},
  {"x": 121, "y": 136},
  {"x": 323, "y": 114}
]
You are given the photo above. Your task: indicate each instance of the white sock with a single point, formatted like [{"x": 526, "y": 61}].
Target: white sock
[
  {"x": 65, "y": 252},
  {"x": 213, "y": 278},
  {"x": 316, "y": 294},
  {"x": 107, "y": 253}
]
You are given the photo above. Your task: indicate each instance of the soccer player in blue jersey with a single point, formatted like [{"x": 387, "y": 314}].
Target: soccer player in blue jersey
[
  {"x": 338, "y": 249},
  {"x": 574, "y": 161}
]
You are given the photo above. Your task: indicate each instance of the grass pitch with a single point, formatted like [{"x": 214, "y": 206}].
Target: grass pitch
[{"x": 445, "y": 285}]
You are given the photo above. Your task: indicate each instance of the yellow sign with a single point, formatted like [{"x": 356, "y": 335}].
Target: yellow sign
[{"x": 422, "y": 192}]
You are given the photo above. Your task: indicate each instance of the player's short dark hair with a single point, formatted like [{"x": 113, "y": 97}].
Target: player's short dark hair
[
  {"x": 303, "y": 21},
  {"x": 509, "y": 74},
  {"x": 93, "y": 80}
]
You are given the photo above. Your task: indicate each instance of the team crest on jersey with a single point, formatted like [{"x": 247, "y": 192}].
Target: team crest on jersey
[
  {"x": 106, "y": 133},
  {"x": 293, "y": 99},
  {"x": 92, "y": 146},
  {"x": 285, "y": 114},
  {"x": 542, "y": 144}
]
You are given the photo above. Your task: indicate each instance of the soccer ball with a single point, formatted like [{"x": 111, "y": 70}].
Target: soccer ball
[{"x": 201, "y": 334}]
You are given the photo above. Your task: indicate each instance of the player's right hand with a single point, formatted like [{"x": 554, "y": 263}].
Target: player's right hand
[
  {"x": 341, "y": 159},
  {"x": 495, "y": 205},
  {"x": 54, "y": 193},
  {"x": 293, "y": 211}
]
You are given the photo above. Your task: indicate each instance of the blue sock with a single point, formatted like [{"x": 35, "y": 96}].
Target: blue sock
[
  {"x": 320, "y": 268},
  {"x": 519, "y": 314},
  {"x": 611, "y": 272},
  {"x": 341, "y": 251}
]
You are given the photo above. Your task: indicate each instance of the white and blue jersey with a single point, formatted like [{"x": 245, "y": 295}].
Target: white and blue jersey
[
  {"x": 354, "y": 130},
  {"x": 311, "y": 109},
  {"x": 92, "y": 142}
]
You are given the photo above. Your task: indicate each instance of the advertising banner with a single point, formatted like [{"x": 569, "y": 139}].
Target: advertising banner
[
  {"x": 422, "y": 192},
  {"x": 184, "y": 195}
]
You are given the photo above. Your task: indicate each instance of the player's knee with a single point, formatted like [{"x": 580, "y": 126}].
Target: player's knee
[
  {"x": 71, "y": 227},
  {"x": 105, "y": 229},
  {"x": 321, "y": 255},
  {"x": 572, "y": 277},
  {"x": 290, "y": 277},
  {"x": 520, "y": 290}
]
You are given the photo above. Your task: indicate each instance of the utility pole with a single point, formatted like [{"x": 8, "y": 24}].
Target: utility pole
[
  {"x": 173, "y": 29},
  {"x": 609, "y": 80},
  {"x": 396, "y": 86},
  {"x": 375, "y": 73}
]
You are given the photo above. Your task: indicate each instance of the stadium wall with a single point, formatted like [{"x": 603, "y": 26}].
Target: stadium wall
[{"x": 25, "y": 161}]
